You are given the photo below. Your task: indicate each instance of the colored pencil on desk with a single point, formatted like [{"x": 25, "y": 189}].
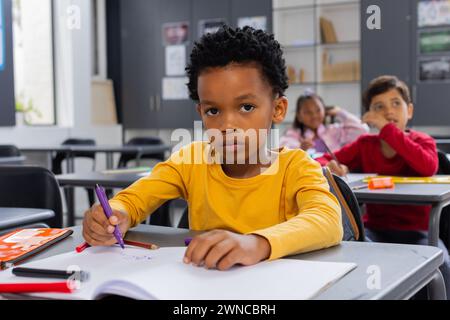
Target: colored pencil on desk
[{"x": 55, "y": 287}]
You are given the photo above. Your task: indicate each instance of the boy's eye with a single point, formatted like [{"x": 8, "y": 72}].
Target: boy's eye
[
  {"x": 212, "y": 112},
  {"x": 247, "y": 108},
  {"x": 377, "y": 107}
]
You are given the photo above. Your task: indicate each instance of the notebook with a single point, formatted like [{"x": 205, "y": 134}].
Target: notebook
[
  {"x": 160, "y": 274},
  {"x": 21, "y": 244}
]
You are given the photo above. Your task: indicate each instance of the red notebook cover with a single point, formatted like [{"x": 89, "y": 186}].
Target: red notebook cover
[{"x": 23, "y": 243}]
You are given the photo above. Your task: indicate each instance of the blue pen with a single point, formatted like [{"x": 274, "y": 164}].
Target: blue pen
[{"x": 108, "y": 212}]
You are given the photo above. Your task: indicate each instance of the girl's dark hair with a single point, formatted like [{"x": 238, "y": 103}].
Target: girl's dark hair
[
  {"x": 300, "y": 102},
  {"x": 241, "y": 46},
  {"x": 382, "y": 85}
]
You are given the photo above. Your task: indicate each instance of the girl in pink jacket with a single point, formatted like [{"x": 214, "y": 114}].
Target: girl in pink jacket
[{"x": 310, "y": 132}]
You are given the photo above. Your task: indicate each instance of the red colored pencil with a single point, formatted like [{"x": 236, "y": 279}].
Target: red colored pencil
[{"x": 55, "y": 287}]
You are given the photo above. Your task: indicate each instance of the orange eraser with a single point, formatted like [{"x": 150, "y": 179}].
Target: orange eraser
[{"x": 381, "y": 183}]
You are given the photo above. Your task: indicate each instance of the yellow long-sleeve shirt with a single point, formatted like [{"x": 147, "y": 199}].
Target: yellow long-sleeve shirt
[{"x": 289, "y": 204}]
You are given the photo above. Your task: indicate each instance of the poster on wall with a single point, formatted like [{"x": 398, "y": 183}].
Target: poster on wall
[
  {"x": 175, "y": 60},
  {"x": 2, "y": 37},
  {"x": 434, "y": 13},
  {"x": 258, "y": 23},
  {"x": 175, "y": 33},
  {"x": 175, "y": 88},
  {"x": 434, "y": 69},
  {"x": 209, "y": 26},
  {"x": 434, "y": 41}
]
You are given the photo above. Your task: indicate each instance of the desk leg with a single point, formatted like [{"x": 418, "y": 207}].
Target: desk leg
[
  {"x": 50, "y": 161},
  {"x": 109, "y": 160},
  {"x": 138, "y": 159},
  {"x": 435, "y": 218},
  {"x": 70, "y": 201},
  {"x": 70, "y": 163},
  {"x": 436, "y": 288}
]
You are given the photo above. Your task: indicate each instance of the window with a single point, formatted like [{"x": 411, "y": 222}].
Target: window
[{"x": 33, "y": 60}]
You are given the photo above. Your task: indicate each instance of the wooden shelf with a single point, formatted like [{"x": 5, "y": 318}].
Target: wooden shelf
[
  {"x": 338, "y": 45},
  {"x": 306, "y": 54},
  {"x": 315, "y": 5},
  {"x": 330, "y": 83}
]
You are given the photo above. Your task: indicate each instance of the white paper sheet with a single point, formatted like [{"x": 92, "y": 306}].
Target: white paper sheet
[
  {"x": 161, "y": 274},
  {"x": 175, "y": 60},
  {"x": 175, "y": 88}
]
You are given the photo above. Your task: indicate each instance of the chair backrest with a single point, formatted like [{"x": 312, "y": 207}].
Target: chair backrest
[
  {"x": 9, "y": 151},
  {"x": 444, "y": 163},
  {"x": 31, "y": 187},
  {"x": 184, "y": 221},
  {"x": 351, "y": 214},
  {"x": 61, "y": 156},
  {"x": 141, "y": 141},
  {"x": 444, "y": 225}
]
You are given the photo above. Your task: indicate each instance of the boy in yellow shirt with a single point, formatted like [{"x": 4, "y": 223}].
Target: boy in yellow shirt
[{"x": 254, "y": 203}]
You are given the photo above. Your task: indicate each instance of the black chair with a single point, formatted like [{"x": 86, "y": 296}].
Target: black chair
[
  {"x": 9, "y": 151},
  {"x": 351, "y": 214},
  {"x": 184, "y": 221},
  {"x": 141, "y": 141},
  {"x": 61, "y": 156},
  {"x": 444, "y": 224},
  {"x": 444, "y": 163},
  {"x": 31, "y": 187}
]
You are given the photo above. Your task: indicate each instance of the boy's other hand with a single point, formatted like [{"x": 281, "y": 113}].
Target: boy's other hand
[
  {"x": 338, "y": 169},
  {"x": 98, "y": 230},
  {"x": 374, "y": 119},
  {"x": 221, "y": 250}
]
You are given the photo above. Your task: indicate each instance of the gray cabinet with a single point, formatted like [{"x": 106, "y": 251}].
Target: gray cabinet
[
  {"x": 143, "y": 54},
  {"x": 139, "y": 66},
  {"x": 386, "y": 51},
  {"x": 432, "y": 97},
  {"x": 395, "y": 50},
  {"x": 172, "y": 113}
]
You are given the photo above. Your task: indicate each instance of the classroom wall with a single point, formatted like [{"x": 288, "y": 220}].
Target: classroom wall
[{"x": 73, "y": 78}]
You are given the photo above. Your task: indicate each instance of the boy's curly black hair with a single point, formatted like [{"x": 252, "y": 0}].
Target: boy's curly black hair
[{"x": 241, "y": 46}]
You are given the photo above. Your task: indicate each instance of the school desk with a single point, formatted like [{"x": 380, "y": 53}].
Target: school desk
[
  {"x": 108, "y": 181},
  {"x": 12, "y": 160},
  {"x": 109, "y": 151},
  {"x": 14, "y": 217},
  {"x": 403, "y": 269},
  {"x": 436, "y": 195}
]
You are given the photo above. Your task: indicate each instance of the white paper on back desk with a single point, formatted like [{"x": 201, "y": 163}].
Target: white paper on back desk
[{"x": 161, "y": 274}]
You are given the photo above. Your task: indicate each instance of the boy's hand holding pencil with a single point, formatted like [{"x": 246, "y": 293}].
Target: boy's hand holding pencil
[{"x": 99, "y": 231}]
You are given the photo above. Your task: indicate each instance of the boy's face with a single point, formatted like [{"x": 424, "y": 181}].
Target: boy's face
[
  {"x": 236, "y": 100},
  {"x": 391, "y": 106}
]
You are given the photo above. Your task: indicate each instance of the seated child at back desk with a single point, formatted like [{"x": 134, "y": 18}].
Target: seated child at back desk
[
  {"x": 272, "y": 204},
  {"x": 395, "y": 151},
  {"x": 310, "y": 131}
]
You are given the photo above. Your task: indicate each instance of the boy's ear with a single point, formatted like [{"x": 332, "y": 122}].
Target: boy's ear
[
  {"x": 199, "y": 109},
  {"x": 281, "y": 106},
  {"x": 410, "y": 111}
]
